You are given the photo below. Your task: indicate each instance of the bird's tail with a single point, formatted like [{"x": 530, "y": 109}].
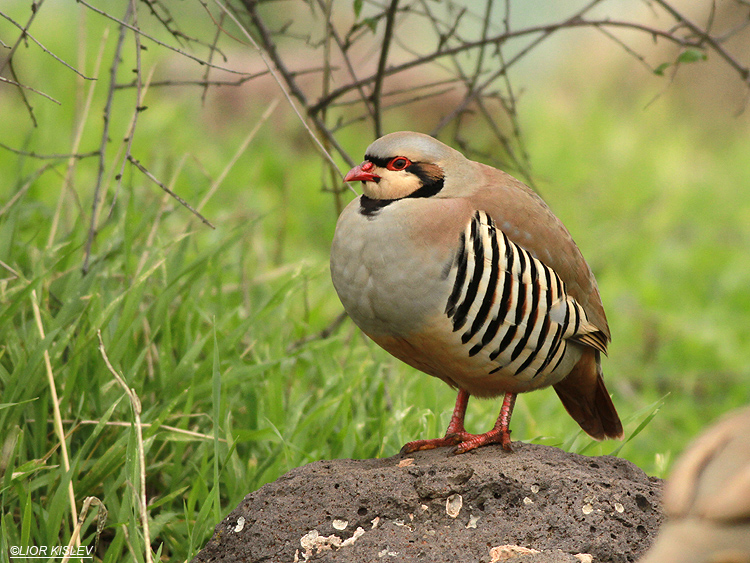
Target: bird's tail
[{"x": 587, "y": 400}]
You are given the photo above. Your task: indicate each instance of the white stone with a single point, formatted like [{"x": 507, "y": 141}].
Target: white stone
[
  {"x": 453, "y": 505},
  {"x": 340, "y": 524}
]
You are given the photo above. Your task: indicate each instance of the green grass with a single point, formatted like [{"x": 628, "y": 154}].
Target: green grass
[{"x": 208, "y": 326}]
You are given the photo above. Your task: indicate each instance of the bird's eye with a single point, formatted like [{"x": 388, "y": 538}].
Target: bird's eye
[{"x": 398, "y": 163}]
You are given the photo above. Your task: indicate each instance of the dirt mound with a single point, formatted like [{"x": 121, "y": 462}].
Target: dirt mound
[{"x": 431, "y": 506}]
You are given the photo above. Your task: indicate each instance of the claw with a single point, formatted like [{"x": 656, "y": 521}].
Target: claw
[
  {"x": 473, "y": 441},
  {"x": 460, "y": 438},
  {"x": 419, "y": 445}
]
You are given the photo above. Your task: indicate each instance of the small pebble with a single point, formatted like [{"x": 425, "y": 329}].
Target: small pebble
[
  {"x": 453, "y": 505},
  {"x": 505, "y": 552},
  {"x": 340, "y": 524}
]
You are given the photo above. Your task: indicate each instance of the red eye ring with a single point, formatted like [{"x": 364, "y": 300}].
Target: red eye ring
[{"x": 399, "y": 163}]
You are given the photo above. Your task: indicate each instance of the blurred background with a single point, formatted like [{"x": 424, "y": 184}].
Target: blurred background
[{"x": 630, "y": 119}]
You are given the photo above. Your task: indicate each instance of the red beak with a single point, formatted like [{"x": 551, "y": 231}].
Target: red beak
[{"x": 361, "y": 173}]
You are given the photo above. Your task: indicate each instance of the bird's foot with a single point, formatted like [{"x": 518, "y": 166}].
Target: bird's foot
[
  {"x": 494, "y": 436},
  {"x": 463, "y": 442},
  {"x": 447, "y": 440}
]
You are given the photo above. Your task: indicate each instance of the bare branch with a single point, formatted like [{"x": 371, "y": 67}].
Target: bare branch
[
  {"x": 290, "y": 82},
  {"x": 170, "y": 192},
  {"x": 380, "y": 74},
  {"x": 33, "y": 154},
  {"x": 14, "y": 83},
  {"x": 160, "y": 43},
  {"x": 413, "y": 99},
  {"x": 25, "y": 33},
  {"x": 206, "y": 83},
  {"x": 543, "y": 30},
  {"x": 139, "y": 96},
  {"x": 706, "y": 37},
  {"x": 470, "y": 52},
  {"x": 24, "y": 29},
  {"x": 105, "y": 139},
  {"x": 332, "y": 33},
  {"x": 322, "y": 335},
  {"x": 166, "y": 20},
  {"x": 327, "y": 8},
  {"x": 212, "y": 50}
]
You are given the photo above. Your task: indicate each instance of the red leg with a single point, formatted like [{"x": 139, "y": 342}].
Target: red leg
[
  {"x": 457, "y": 436},
  {"x": 500, "y": 434},
  {"x": 453, "y": 435}
]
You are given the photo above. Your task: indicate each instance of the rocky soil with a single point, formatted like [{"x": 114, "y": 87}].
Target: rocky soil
[{"x": 537, "y": 504}]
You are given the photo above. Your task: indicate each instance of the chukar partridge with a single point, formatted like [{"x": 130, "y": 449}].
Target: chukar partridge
[
  {"x": 707, "y": 499},
  {"x": 463, "y": 272}
]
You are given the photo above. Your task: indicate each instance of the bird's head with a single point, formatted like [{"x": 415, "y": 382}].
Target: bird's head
[{"x": 404, "y": 164}]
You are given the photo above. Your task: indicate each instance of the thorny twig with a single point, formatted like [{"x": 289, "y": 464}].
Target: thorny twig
[
  {"x": 181, "y": 201},
  {"x": 155, "y": 40},
  {"x": 16, "y": 83},
  {"x": 205, "y": 84},
  {"x": 543, "y": 30},
  {"x": 140, "y": 93},
  {"x": 212, "y": 50},
  {"x": 25, "y": 33},
  {"x": 290, "y": 81},
  {"x": 333, "y": 34},
  {"x": 705, "y": 37},
  {"x": 377, "y": 89},
  {"x": 9, "y": 63},
  {"x": 42, "y": 156},
  {"x": 105, "y": 139}
]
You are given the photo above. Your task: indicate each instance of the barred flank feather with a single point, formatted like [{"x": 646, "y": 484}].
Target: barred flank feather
[{"x": 507, "y": 303}]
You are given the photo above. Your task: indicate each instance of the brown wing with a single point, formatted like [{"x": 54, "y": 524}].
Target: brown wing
[{"x": 527, "y": 220}]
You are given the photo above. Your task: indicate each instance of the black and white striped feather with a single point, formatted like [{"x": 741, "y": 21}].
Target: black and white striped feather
[{"x": 510, "y": 307}]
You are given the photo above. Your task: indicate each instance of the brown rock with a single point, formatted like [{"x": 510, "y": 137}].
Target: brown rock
[{"x": 440, "y": 507}]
